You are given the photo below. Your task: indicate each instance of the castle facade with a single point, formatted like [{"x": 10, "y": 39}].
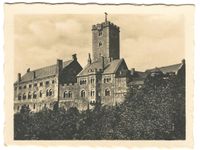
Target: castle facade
[{"x": 66, "y": 84}]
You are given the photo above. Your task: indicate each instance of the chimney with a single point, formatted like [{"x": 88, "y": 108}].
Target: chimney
[
  {"x": 59, "y": 65},
  {"x": 105, "y": 17},
  {"x": 19, "y": 77},
  {"x": 34, "y": 75},
  {"x": 102, "y": 61},
  {"x": 74, "y": 57},
  {"x": 89, "y": 59},
  {"x": 28, "y": 70},
  {"x": 132, "y": 71},
  {"x": 183, "y": 61}
]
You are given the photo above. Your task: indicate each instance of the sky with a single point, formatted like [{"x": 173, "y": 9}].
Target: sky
[{"x": 146, "y": 40}]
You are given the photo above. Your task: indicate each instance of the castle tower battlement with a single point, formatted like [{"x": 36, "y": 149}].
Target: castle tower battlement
[{"x": 105, "y": 41}]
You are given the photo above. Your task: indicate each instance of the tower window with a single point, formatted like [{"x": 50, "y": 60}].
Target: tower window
[
  {"x": 47, "y": 92},
  {"x": 100, "y": 33},
  {"x": 41, "y": 83},
  {"x": 100, "y": 44},
  {"x": 47, "y": 82}
]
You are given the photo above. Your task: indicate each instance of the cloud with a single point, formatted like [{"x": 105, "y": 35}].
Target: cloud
[{"x": 146, "y": 40}]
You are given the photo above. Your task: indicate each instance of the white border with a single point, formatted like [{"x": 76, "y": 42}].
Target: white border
[{"x": 196, "y": 73}]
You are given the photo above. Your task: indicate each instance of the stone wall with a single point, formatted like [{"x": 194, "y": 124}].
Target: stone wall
[{"x": 45, "y": 90}]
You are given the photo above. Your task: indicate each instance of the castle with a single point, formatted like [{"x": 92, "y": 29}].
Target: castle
[{"x": 104, "y": 79}]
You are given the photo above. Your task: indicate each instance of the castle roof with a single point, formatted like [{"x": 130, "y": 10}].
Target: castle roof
[
  {"x": 113, "y": 66},
  {"x": 42, "y": 72},
  {"x": 167, "y": 69},
  {"x": 97, "y": 66}
]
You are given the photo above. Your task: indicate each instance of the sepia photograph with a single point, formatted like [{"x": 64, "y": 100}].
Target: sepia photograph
[{"x": 99, "y": 72}]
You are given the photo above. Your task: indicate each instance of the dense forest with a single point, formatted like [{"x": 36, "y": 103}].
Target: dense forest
[{"x": 155, "y": 110}]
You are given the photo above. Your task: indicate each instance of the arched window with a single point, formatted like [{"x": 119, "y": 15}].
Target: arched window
[
  {"x": 65, "y": 94},
  {"x": 19, "y": 97},
  {"x": 34, "y": 95},
  {"x": 24, "y": 96},
  {"x": 100, "y": 44},
  {"x": 50, "y": 92},
  {"x": 41, "y": 93},
  {"x": 82, "y": 93},
  {"x": 70, "y": 94},
  {"x": 107, "y": 92},
  {"x": 29, "y": 95},
  {"x": 47, "y": 92}
]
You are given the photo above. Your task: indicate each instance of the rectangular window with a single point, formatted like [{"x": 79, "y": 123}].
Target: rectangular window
[
  {"x": 20, "y": 87},
  {"x": 47, "y": 82},
  {"x": 92, "y": 93},
  {"x": 15, "y": 88},
  {"x": 83, "y": 81},
  {"x": 92, "y": 81},
  {"x": 30, "y": 86},
  {"x": 53, "y": 81},
  {"x": 107, "y": 80},
  {"x": 24, "y": 86},
  {"x": 35, "y": 84},
  {"x": 41, "y": 83}
]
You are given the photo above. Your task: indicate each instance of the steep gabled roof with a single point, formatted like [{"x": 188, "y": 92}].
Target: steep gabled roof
[
  {"x": 42, "y": 72},
  {"x": 109, "y": 68},
  {"x": 90, "y": 68},
  {"x": 113, "y": 66},
  {"x": 167, "y": 69}
]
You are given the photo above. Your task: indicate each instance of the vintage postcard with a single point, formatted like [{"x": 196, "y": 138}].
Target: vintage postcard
[{"x": 99, "y": 75}]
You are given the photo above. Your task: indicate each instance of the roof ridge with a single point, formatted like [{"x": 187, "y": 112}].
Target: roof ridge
[
  {"x": 47, "y": 66},
  {"x": 120, "y": 61}
]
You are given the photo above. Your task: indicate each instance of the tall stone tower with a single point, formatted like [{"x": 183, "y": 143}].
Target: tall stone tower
[{"x": 105, "y": 41}]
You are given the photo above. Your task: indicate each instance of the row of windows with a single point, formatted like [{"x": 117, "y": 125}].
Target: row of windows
[
  {"x": 92, "y": 81},
  {"x": 84, "y": 81},
  {"x": 67, "y": 94},
  {"x": 92, "y": 93},
  {"x": 34, "y": 95},
  {"x": 50, "y": 93},
  {"x": 83, "y": 93},
  {"x": 35, "y": 85},
  {"x": 107, "y": 80},
  {"x": 34, "y": 106}
]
